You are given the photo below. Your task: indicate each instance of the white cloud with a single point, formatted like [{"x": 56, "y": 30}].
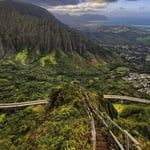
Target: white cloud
[
  {"x": 99, "y": 1},
  {"x": 81, "y": 7}
]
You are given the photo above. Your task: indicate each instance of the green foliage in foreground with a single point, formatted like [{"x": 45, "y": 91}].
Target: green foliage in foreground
[
  {"x": 63, "y": 127},
  {"x": 63, "y": 124},
  {"x": 136, "y": 119},
  {"x": 54, "y": 127}
]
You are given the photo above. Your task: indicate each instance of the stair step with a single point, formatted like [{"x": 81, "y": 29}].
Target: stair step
[
  {"x": 101, "y": 141},
  {"x": 100, "y": 137},
  {"x": 98, "y": 128},
  {"x": 102, "y": 147}
]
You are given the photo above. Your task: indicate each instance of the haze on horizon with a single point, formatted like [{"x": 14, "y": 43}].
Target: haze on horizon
[{"x": 110, "y": 8}]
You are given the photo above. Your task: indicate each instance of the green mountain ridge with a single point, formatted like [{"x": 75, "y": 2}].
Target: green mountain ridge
[
  {"x": 24, "y": 8},
  {"x": 30, "y": 32}
]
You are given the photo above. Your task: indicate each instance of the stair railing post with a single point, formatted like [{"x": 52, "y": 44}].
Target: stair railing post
[
  {"x": 93, "y": 133},
  {"x": 127, "y": 142}
]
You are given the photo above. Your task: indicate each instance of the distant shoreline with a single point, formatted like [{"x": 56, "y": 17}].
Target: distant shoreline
[{"x": 139, "y": 25}]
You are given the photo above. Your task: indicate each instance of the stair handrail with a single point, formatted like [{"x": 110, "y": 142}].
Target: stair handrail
[
  {"x": 103, "y": 117},
  {"x": 93, "y": 130}
]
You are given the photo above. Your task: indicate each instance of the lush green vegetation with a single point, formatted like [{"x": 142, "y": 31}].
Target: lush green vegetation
[
  {"x": 43, "y": 59},
  {"x": 48, "y": 127},
  {"x": 136, "y": 119},
  {"x": 144, "y": 40},
  {"x": 63, "y": 124},
  {"x": 24, "y": 82}
]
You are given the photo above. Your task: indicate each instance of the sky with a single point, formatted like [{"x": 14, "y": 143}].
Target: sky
[
  {"x": 114, "y": 8},
  {"x": 111, "y": 8},
  {"x": 130, "y": 9}
]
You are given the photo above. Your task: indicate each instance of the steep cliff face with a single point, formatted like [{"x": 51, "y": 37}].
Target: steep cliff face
[
  {"x": 27, "y": 26},
  {"x": 30, "y": 35}
]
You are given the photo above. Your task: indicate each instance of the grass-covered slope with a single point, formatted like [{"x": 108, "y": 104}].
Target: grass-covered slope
[
  {"x": 31, "y": 82},
  {"x": 136, "y": 119},
  {"x": 62, "y": 124}
]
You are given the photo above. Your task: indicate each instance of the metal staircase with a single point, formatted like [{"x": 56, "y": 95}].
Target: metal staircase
[{"x": 125, "y": 141}]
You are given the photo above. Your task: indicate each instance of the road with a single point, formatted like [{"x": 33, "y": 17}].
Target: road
[
  {"x": 133, "y": 99},
  {"x": 22, "y": 104}
]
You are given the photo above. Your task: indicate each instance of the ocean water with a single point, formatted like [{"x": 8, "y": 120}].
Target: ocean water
[
  {"x": 144, "y": 27},
  {"x": 140, "y": 24}
]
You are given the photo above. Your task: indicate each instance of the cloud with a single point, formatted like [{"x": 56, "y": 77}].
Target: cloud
[
  {"x": 81, "y": 7},
  {"x": 65, "y": 6},
  {"x": 99, "y": 1},
  {"x": 132, "y": 0},
  {"x": 141, "y": 8},
  {"x": 52, "y": 2},
  {"x": 122, "y": 8},
  {"x": 66, "y": 2}
]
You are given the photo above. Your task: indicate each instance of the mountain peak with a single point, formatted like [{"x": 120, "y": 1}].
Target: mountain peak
[
  {"x": 25, "y": 8},
  {"x": 32, "y": 27}
]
